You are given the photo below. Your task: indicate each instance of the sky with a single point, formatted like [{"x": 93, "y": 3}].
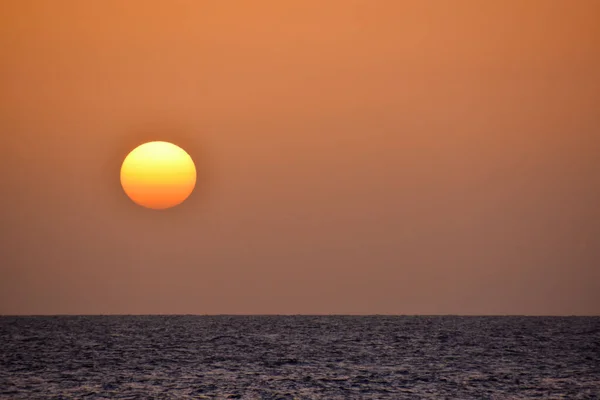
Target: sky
[{"x": 353, "y": 156}]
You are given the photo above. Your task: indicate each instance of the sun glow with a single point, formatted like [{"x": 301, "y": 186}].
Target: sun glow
[{"x": 158, "y": 175}]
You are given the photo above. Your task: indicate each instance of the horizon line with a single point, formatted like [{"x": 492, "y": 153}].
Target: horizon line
[{"x": 297, "y": 315}]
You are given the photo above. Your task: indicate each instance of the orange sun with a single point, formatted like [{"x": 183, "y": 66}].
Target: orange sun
[{"x": 158, "y": 175}]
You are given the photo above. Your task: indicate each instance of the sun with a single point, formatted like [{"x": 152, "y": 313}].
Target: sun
[{"x": 158, "y": 175}]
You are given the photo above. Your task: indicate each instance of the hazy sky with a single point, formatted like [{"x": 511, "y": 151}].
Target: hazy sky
[{"x": 391, "y": 157}]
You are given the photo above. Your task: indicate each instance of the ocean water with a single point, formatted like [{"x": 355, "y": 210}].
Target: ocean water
[{"x": 299, "y": 357}]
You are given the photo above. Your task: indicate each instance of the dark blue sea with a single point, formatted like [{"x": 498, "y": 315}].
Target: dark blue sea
[{"x": 299, "y": 357}]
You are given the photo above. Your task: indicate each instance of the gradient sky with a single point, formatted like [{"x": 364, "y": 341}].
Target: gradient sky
[{"x": 354, "y": 156}]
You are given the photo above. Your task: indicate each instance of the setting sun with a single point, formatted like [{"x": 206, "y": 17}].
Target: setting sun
[{"x": 158, "y": 175}]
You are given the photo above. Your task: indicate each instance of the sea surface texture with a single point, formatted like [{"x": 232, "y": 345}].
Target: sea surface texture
[{"x": 299, "y": 357}]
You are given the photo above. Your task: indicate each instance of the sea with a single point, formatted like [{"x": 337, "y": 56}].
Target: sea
[{"x": 299, "y": 357}]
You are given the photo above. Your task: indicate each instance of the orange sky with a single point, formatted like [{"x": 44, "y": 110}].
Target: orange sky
[{"x": 391, "y": 157}]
